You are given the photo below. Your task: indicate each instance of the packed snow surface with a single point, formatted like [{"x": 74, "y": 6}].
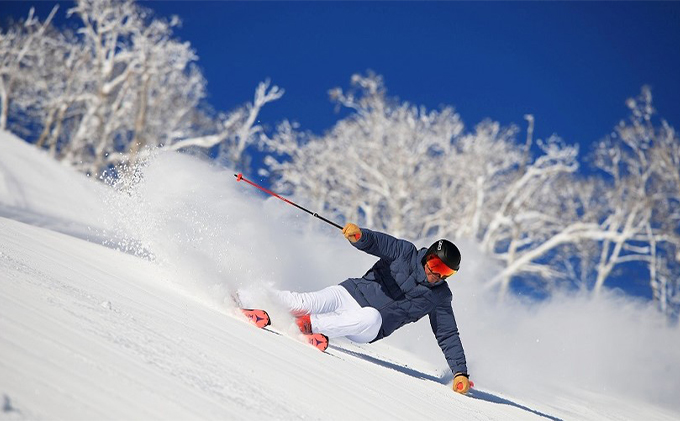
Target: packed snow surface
[{"x": 116, "y": 303}]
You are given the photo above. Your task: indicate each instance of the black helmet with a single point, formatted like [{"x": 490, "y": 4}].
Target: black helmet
[{"x": 445, "y": 250}]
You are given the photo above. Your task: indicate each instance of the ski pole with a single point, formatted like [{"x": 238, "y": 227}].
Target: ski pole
[{"x": 240, "y": 177}]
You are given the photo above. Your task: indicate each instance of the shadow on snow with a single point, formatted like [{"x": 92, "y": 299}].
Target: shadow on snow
[{"x": 474, "y": 394}]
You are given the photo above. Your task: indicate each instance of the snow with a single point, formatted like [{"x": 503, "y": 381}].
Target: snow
[
  {"x": 115, "y": 304},
  {"x": 36, "y": 189}
]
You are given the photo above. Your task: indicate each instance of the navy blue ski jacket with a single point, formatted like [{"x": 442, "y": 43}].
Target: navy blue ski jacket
[{"x": 397, "y": 287}]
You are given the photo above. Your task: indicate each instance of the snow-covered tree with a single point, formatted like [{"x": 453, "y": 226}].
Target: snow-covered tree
[
  {"x": 57, "y": 90},
  {"x": 630, "y": 216},
  {"x": 531, "y": 208},
  {"x": 234, "y": 131},
  {"x": 642, "y": 164},
  {"x": 415, "y": 173},
  {"x": 474, "y": 172},
  {"x": 20, "y": 52},
  {"x": 119, "y": 87},
  {"x": 377, "y": 166},
  {"x": 106, "y": 112},
  {"x": 148, "y": 92}
]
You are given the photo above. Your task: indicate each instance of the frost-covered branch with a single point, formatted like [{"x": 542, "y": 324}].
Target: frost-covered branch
[
  {"x": 118, "y": 87},
  {"x": 20, "y": 47}
]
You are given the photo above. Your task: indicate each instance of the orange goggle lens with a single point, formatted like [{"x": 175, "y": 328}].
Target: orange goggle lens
[{"x": 438, "y": 267}]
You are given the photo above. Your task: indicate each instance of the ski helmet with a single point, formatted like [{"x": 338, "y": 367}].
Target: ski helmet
[{"x": 446, "y": 251}]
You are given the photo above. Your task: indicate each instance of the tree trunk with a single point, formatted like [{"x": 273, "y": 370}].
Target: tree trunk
[
  {"x": 46, "y": 128},
  {"x": 4, "y": 103},
  {"x": 138, "y": 142}
]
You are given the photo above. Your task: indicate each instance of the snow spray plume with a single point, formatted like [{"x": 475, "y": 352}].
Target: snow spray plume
[{"x": 240, "y": 177}]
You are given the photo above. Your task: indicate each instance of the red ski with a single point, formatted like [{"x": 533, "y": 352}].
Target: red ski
[
  {"x": 317, "y": 340},
  {"x": 260, "y": 318}
]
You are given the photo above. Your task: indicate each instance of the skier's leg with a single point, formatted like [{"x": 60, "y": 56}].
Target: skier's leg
[
  {"x": 334, "y": 312},
  {"x": 371, "y": 322},
  {"x": 324, "y": 301},
  {"x": 359, "y": 325}
]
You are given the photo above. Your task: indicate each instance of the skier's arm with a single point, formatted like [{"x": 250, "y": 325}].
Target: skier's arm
[
  {"x": 381, "y": 245},
  {"x": 444, "y": 327}
]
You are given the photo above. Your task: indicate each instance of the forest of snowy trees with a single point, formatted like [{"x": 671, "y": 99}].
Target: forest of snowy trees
[
  {"x": 101, "y": 95},
  {"x": 418, "y": 173},
  {"x": 121, "y": 86}
]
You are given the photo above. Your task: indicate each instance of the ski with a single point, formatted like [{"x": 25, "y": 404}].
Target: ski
[
  {"x": 317, "y": 340},
  {"x": 260, "y": 318}
]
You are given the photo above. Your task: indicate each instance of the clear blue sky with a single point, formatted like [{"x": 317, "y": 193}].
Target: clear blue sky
[{"x": 571, "y": 64}]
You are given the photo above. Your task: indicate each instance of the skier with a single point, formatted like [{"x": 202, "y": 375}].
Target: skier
[{"x": 402, "y": 287}]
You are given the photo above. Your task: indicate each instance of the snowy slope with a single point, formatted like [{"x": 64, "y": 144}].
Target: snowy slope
[
  {"x": 92, "y": 331},
  {"x": 38, "y": 190},
  {"x": 89, "y": 334}
]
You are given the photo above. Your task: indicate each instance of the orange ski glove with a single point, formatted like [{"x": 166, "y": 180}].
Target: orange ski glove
[
  {"x": 352, "y": 232},
  {"x": 461, "y": 384}
]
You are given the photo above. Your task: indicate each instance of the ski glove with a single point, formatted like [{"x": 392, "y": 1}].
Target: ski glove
[
  {"x": 461, "y": 384},
  {"x": 352, "y": 232}
]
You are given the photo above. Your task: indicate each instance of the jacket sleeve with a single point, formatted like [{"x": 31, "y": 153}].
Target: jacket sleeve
[
  {"x": 383, "y": 245},
  {"x": 445, "y": 330}
]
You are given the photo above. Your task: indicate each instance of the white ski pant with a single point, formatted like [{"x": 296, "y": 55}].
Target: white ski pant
[{"x": 334, "y": 312}]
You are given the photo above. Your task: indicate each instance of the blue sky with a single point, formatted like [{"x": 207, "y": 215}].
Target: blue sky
[{"x": 571, "y": 64}]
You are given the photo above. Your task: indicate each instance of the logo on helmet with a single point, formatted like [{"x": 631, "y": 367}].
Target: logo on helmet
[{"x": 439, "y": 246}]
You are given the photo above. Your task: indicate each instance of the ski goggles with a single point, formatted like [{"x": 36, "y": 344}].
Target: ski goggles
[{"x": 438, "y": 267}]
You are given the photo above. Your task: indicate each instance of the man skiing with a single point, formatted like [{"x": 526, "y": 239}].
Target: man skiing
[{"x": 402, "y": 287}]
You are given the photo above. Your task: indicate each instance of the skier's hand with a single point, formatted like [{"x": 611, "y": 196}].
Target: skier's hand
[
  {"x": 352, "y": 232},
  {"x": 461, "y": 384}
]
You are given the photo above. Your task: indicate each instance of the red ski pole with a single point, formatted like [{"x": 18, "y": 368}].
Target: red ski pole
[{"x": 240, "y": 177}]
